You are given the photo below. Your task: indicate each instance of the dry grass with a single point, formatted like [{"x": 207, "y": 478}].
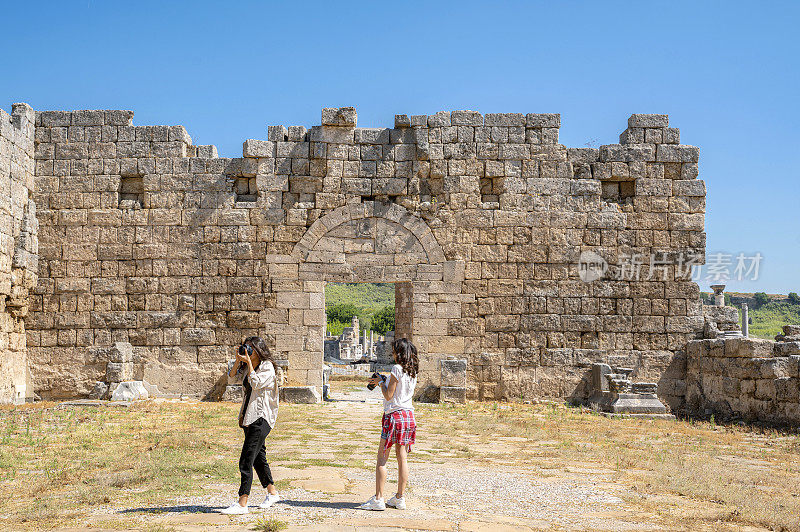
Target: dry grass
[
  {"x": 58, "y": 465},
  {"x": 269, "y": 524},
  {"x": 747, "y": 476}
]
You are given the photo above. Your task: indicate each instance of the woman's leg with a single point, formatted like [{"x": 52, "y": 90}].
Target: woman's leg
[
  {"x": 250, "y": 448},
  {"x": 402, "y": 469},
  {"x": 380, "y": 469},
  {"x": 262, "y": 470}
]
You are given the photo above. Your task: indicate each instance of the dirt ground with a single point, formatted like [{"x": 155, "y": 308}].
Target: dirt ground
[{"x": 163, "y": 465}]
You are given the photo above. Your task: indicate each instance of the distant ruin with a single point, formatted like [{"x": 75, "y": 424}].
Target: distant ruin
[{"x": 529, "y": 259}]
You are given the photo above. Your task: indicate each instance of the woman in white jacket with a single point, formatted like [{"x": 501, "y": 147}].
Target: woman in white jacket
[{"x": 257, "y": 417}]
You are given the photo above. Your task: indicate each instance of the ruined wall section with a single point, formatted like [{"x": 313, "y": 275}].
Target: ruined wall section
[
  {"x": 18, "y": 248},
  {"x": 148, "y": 239},
  {"x": 746, "y": 378},
  {"x": 140, "y": 243}
]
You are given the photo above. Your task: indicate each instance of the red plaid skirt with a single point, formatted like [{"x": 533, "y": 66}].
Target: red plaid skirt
[{"x": 399, "y": 428}]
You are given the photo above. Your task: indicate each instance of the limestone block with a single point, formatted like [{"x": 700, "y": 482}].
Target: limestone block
[
  {"x": 793, "y": 368},
  {"x": 648, "y": 120},
  {"x": 130, "y": 391},
  {"x": 300, "y": 394},
  {"x": 121, "y": 352},
  {"x": 258, "y": 148},
  {"x": 791, "y": 330},
  {"x": 99, "y": 391},
  {"x": 771, "y": 368},
  {"x": 198, "y": 336},
  {"x": 234, "y": 393},
  {"x": 677, "y": 153},
  {"x": 402, "y": 121},
  {"x": 453, "y": 394},
  {"x": 466, "y": 118},
  {"x": 765, "y": 389},
  {"x": 119, "y": 371},
  {"x": 787, "y": 389},
  {"x": 339, "y": 116},
  {"x": 748, "y": 347},
  {"x": 453, "y": 372},
  {"x": 277, "y": 133}
]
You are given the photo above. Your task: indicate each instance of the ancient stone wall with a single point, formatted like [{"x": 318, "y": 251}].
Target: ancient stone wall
[
  {"x": 148, "y": 239},
  {"x": 747, "y": 378},
  {"x": 18, "y": 248}
]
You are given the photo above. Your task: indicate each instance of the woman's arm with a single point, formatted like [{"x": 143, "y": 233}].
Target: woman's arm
[
  {"x": 263, "y": 378},
  {"x": 235, "y": 368},
  {"x": 389, "y": 389}
]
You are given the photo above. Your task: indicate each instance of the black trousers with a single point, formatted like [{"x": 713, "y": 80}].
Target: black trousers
[{"x": 254, "y": 455}]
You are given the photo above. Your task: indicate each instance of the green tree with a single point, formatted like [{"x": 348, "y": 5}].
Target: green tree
[
  {"x": 335, "y": 328},
  {"x": 794, "y": 299},
  {"x": 342, "y": 313},
  {"x": 761, "y": 299},
  {"x": 383, "y": 320}
]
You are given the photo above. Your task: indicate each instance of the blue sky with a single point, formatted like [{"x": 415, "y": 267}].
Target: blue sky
[{"x": 725, "y": 72}]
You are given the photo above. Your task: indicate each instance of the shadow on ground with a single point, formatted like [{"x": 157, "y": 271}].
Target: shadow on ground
[{"x": 203, "y": 509}]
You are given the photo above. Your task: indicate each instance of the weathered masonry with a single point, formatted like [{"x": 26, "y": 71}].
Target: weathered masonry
[
  {"x": 481, "y": 220},
  {"x": 18, "y": 248}
]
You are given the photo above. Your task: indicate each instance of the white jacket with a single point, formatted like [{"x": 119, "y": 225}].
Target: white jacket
[{"x": 264, "y": 397}]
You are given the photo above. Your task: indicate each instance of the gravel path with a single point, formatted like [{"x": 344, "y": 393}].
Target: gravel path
[{"x": 454, "y": 495}]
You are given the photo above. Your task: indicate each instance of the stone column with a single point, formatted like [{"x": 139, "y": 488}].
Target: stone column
[
  {"x": 745, "y": 321},
  {"x": 719, "y": 296}
]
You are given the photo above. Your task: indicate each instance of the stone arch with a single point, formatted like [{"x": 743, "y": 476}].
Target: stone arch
[
  {"x": 369, "y": 242},
  {"x": 390, "y": 212}
]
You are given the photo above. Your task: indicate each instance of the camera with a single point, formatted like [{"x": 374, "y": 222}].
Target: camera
[
  {"x": 374, "y": 376},
  {"x": 245, "y": 350}
]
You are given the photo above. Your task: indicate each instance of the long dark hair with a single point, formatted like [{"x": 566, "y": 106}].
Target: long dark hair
[
  {"x": 406, "y": 355},
  {"x": 260, "y": 349}
]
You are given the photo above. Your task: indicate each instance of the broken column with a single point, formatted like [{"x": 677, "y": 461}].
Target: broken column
[
  {"x": 119, "y": 384},
  {"x": 745, "y": 320},
  {"x": 719, "y": 296}
]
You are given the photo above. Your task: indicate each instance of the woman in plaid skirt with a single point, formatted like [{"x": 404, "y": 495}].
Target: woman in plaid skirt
[{"x": 398, "y": 426}]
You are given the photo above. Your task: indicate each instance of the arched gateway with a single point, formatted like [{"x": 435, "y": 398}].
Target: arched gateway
[{"x": 371, "y": 241}]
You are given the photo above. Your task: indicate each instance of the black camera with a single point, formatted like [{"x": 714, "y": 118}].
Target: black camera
[
  {"x": 374, "y": 376},
  {"x": 245, "y": 350}
]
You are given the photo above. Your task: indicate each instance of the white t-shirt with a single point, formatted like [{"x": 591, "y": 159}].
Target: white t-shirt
[{"x": 402, "y": 393}]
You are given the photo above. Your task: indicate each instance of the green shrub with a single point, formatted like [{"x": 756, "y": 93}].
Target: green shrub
[
  {"x": 383, "y": 320},
  {"x": 335, "y": 328},
  {"x": 343, "y": 312},
  {"x": 761, "y": 299},
  {"x": 794, "y": 299}
]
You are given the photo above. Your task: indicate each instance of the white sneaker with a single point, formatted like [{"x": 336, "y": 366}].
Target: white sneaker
[
  {"x": 269, "y": 501},
  {"x": 235, "y": 509},
  {"x": 398, "y": 503},
  {"x": 373, "y": 504}
]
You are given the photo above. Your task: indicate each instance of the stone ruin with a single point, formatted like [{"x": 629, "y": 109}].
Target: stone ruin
[
  {"x": 350, "y": 345},
  {"x": 19, "y": 253},
  {"x": 481, "y": 221},
  {"x": 732, "y": 376},
  {"x": 615, "y": 393}
]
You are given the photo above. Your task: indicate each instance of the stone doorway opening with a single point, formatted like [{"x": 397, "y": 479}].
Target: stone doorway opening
[
  {"x": 360, "y": 325},
  {"x": 368, "y": 242}
]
